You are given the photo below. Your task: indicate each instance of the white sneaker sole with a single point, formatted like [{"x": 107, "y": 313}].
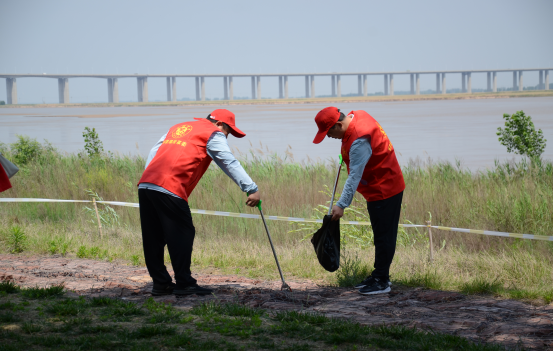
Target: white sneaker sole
[
  {"x": 361, "y": 286},
  {"x": 386, "y": 290}
]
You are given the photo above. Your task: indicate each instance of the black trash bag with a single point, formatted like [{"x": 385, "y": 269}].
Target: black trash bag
[{"x": 327, "y": 244}]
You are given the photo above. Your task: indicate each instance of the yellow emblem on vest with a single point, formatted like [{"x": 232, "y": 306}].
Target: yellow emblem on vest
[{"x": 182, "y": 131}]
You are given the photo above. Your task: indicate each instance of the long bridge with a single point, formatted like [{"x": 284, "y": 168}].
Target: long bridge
[{"x": 142, "y": 82}]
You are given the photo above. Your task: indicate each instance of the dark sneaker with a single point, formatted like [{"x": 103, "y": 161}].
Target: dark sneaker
[
  {"x": 376, "y": 286},
  {"x": 163, "y": 290},
  {"x": 192, "y": 290},
  {"x": 367, "y": 282}
]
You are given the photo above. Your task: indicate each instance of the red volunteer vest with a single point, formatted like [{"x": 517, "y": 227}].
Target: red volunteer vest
[
  {"x": 182, "y": 159},
  {"x": 382, "y": 177}
]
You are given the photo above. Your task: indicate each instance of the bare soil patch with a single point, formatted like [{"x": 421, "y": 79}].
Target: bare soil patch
[{"x": 487, "y": 319}]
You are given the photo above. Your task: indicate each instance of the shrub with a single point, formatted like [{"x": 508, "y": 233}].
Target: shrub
[
  {"x": 17, "y": 241},
  {"x": 92, "y": 143},
  {"x": 25, "y": 149},
  {"x": 82, "y": 252},
  {"x": 352, "y": 271},
  {"x": 2, "y": 102},
  {"x": 520, "y": 135}
]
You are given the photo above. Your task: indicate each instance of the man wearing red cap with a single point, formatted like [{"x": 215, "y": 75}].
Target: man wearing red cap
[
  {"x": 374, "y": 172},
  {"x": 174, "y": 167}
]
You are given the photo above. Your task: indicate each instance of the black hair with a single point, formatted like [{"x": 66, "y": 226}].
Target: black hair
[
  {"x": 341, "y": 118},
  {"x": 214, "y": 121}
]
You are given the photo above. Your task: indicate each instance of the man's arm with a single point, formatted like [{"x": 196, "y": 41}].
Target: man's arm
[
  {"x": 153, "y": 152},
  {"x": 219, "y": 150},
  {"x": 359, "y": 156}
]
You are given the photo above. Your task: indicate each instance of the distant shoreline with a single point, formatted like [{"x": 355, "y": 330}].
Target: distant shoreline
[{"x": 378, "y": 98}]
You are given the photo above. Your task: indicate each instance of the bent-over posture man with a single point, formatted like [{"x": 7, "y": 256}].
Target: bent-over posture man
[
  {"x": 174, "y": 167},
  {"x": 374, "y": 172}
]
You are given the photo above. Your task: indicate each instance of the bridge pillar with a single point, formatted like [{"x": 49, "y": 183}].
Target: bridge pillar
[
  {"x": 110, "y": 90},
  {"x": 139, "y": 88},
  {"x": 168, "y": 79},
  {"x": 225, "y": 87},
  {"x": 142, "y": 83},
  {"x": 280, "y": 95},
  {"x": 359, "y": 89},
  {"x": 115, "y": 90},
  {"x": 253, "y": 87},
  {"x": 197, "y": 88},
  {"x": 391, "y": 84},
  {"x": 364, "y": 85},
  {"x": 202, "y": 82},
  {"x": 174, "y": 84},
  {"x": 540, "y": 86},
  {"x": 546, "y": 73},
  {"x": 339, "y": 85},
  {"x": 285, "y": 78},
  {"x": 489, "y": 76},
  {"x": 63, "y": 89},
  {"x": 11, "y": 90},
  {"x": 463, "y": 82},
  {"x": 312, "y": 86},
  {"x": 412, "y": 83},
  {"x": 258, "y": 87},
  {"x": 231, "y": 88},
  {"x": 145, "y": 89},
  {"x": 333, "y": 83},
  {"x": 469, "y": 82},
  {"x": 437, "y": 83},
  {"x": 307, "y": 86},
  {"x": 385, "y": 84},
  {"x": 418, "y": 84},
  {"x": 494, "y": 81},
  {"x": 514, "y": 80},
  {"x": 444, "y": 91},
  {"x": 520, "y": 85}
]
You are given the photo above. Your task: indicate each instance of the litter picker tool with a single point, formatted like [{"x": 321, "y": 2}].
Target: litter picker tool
[
  {"x": 335, "y": 184},
  {"x": 326, "y": 241},
  {"x": 284, "y": 284}
]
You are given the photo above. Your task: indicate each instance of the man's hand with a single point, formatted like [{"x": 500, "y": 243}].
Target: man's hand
[
  {"x": 337, "y": 213},
  {"x": 253, "y": 199}
]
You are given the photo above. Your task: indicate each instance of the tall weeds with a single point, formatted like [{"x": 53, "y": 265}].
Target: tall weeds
[{"x": 512, "y": 197}]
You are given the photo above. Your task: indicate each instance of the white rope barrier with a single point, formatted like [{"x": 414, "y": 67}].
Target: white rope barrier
[{"x": 290, "y": 219}]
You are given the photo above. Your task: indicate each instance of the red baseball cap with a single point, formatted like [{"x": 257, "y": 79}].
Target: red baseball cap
[
  {"x": 227, "y": 117},
  {"x": 325, "y": 119}
]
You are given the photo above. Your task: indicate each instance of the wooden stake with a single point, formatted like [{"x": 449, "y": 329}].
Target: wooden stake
[
  {"x": 430, "y": 238},
  {"x": 98, "y": 217}
]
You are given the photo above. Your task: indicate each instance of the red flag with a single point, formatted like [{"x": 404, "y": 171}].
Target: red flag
[{"x": 4, "y": 180}]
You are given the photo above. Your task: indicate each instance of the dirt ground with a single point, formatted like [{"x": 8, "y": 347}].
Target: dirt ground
[{"x": 483, "y": 318}]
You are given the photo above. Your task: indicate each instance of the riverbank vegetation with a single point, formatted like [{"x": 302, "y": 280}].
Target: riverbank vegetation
[{"x": 511, "y": 197}]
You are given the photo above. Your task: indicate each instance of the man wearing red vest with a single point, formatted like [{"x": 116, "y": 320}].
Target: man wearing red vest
[
  {"x": 374, "y": 172},
  {"x": 173, "y": 169}
]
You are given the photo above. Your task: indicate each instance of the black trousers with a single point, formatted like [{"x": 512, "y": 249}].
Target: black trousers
[
  {"x": 166, "y": 220},
  {"x": 384, "y": 215}
]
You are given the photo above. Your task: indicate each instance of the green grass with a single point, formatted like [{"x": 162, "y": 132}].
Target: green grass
[
  {"x": 512, "y": 197},
  {"x": 69, "y": 324}
]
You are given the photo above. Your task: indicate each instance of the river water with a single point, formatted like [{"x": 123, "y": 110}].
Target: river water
[{"x": 450, "y": 130}]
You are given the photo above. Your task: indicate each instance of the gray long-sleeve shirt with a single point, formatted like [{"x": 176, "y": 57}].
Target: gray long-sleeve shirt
[
  {"x": 219, "y": 150},
  {"x": 359, "y": 155}
]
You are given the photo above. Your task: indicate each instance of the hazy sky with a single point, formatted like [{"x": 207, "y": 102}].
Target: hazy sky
[{"x": 260, "y": 36}]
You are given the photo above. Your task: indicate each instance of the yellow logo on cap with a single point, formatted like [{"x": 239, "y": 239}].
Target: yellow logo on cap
[{"x": 182, "y": 131}]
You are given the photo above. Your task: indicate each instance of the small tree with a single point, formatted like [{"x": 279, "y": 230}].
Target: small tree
[
  {"x": 92, "y": 143},
  {"x": 520, "y": 135},
  {"x": 25, "y": 149}
]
